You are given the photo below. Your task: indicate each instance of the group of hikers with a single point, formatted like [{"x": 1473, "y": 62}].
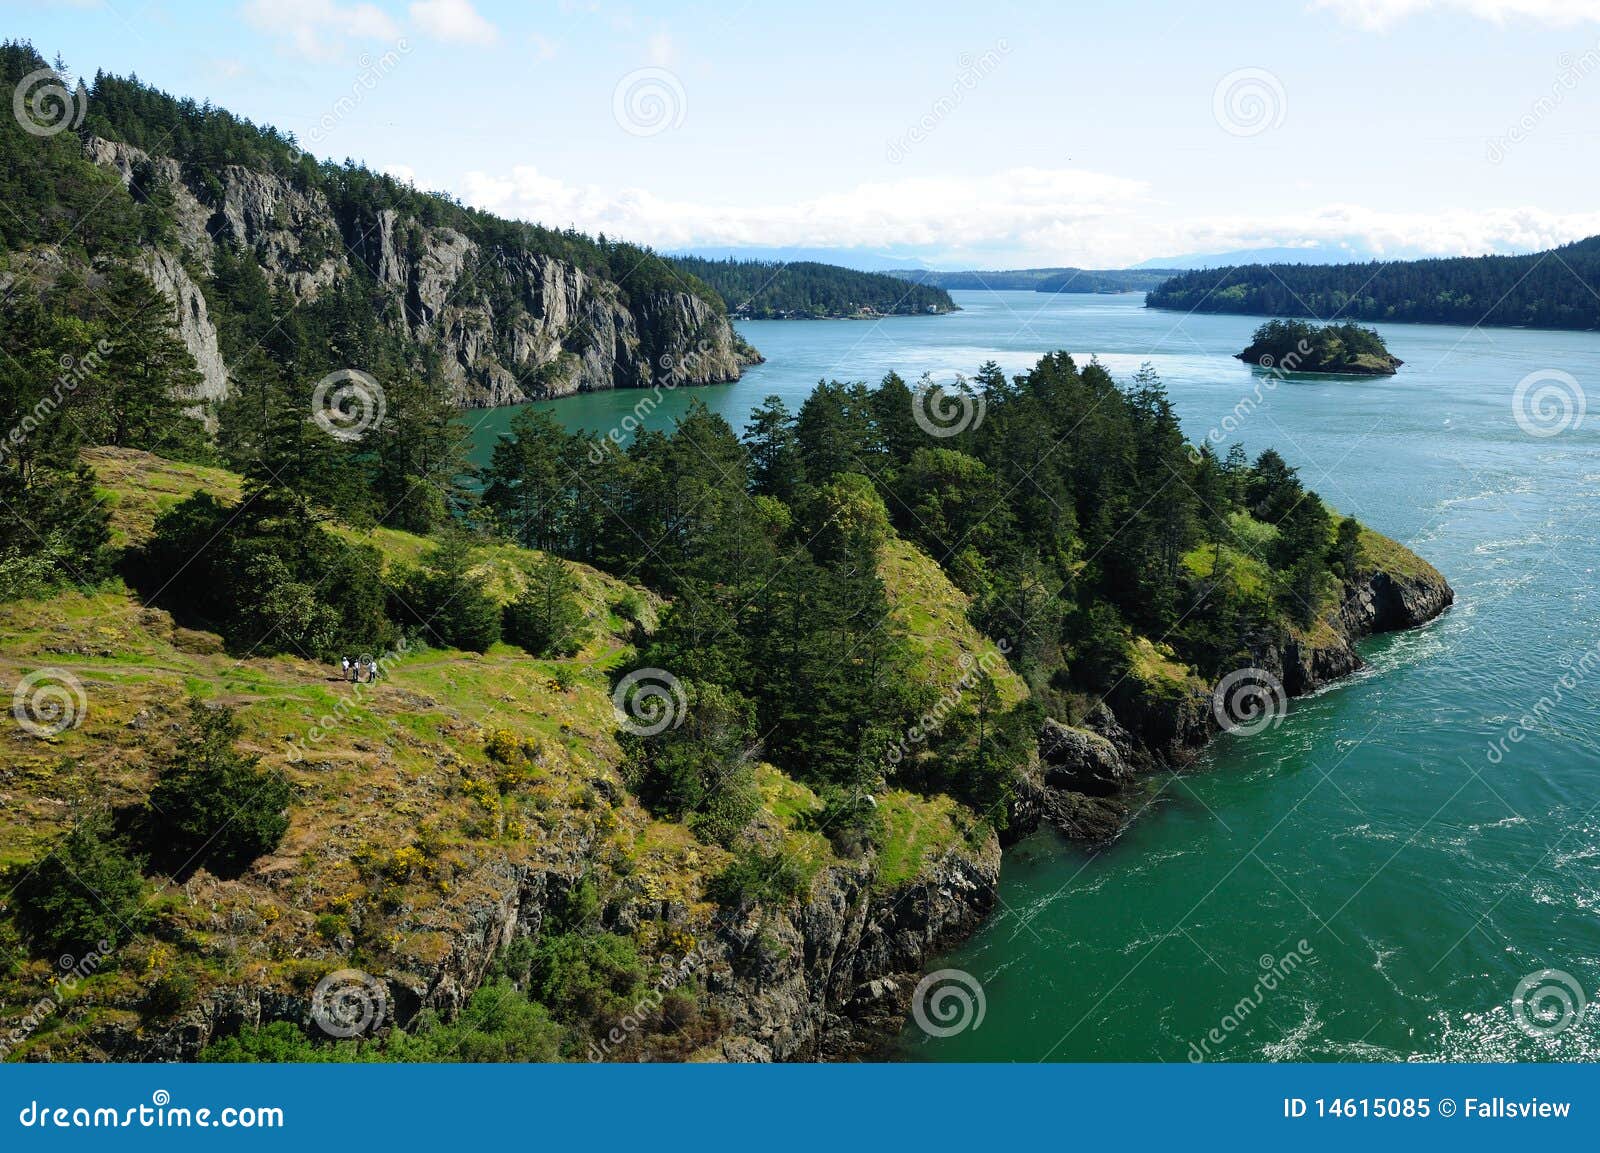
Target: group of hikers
[{"x": 359, "y": 670}]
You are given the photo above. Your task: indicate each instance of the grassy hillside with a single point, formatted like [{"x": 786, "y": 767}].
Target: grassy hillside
[{"x": 414, "y": 799}]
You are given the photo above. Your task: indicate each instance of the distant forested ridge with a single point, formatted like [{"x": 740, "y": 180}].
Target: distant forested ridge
[
  {"x": 1554, "y": 289},
  {"x": 770, "y": 289},
  {"x": 1043, "y": 279},
  {"x": 1295, "y": 346}
]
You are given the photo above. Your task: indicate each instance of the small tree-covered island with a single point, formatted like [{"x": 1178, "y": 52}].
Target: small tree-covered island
[{"x": 1296, "y": 346}]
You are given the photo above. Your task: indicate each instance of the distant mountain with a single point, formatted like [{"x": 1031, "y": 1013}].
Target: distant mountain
[
  {"x": 1554, "y": 289},
  {"x": 771, "y": 289},
  {"x": 1043, "y": 279},
  {"x": 1306, "y": 254}
]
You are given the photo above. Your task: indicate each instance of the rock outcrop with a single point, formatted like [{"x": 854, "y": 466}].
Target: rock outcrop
[
  {"x": 1086, "y": 776},
  {"x": 510, "y": 325}
]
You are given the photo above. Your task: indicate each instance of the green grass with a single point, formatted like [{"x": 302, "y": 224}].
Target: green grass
[
  {"x": 916, "y": 830},
  {"x": 934, "y": 614}
]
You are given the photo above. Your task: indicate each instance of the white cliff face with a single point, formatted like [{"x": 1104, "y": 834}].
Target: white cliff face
[
  {"x": 194, "y": 323},
  {"x": 563, "y": 332}
]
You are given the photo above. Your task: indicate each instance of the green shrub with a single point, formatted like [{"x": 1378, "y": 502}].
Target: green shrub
[
  {"x": 84, "y": 890},
  {"x": 547, "y": 619},
  {"x": 212, "y": 805}
]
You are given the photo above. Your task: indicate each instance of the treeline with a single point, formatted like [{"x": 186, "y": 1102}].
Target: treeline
[
  {"x": 1554, "y": 289},
  {"x": 1042, "y": 279},
  {"x": 766, "y": 289}
]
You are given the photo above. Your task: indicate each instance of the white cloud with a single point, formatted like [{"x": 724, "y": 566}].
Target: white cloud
[
  {"x": 1024, "y": 216},
  {"x": 319, "y": 28},
  {"x": 1379, "y": 14},
  {"x": 543, "y": 47},
  {"x": 1007, "y": 208},
  {"x": 660, "y": 50},
  {"x": 454, "y": 20}
]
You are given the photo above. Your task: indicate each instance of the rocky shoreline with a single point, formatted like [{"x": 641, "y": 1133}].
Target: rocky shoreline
[{"x": 1086, "y": 775}]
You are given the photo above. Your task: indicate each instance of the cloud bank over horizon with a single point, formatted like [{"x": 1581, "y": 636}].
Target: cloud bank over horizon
[{"x": 1018, "y": 217}]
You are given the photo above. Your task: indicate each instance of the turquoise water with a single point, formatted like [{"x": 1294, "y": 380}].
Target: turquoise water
[{"x": 1426, "y": 875}]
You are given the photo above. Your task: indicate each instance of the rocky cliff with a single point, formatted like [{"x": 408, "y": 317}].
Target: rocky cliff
[{"x": 510, "y": 325}]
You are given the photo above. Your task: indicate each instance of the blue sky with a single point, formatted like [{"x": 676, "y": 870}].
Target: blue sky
[{"x": 966, "y": 135}]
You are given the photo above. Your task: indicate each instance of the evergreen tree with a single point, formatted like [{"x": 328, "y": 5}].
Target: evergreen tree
[{"x": 213, "y": 806}]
